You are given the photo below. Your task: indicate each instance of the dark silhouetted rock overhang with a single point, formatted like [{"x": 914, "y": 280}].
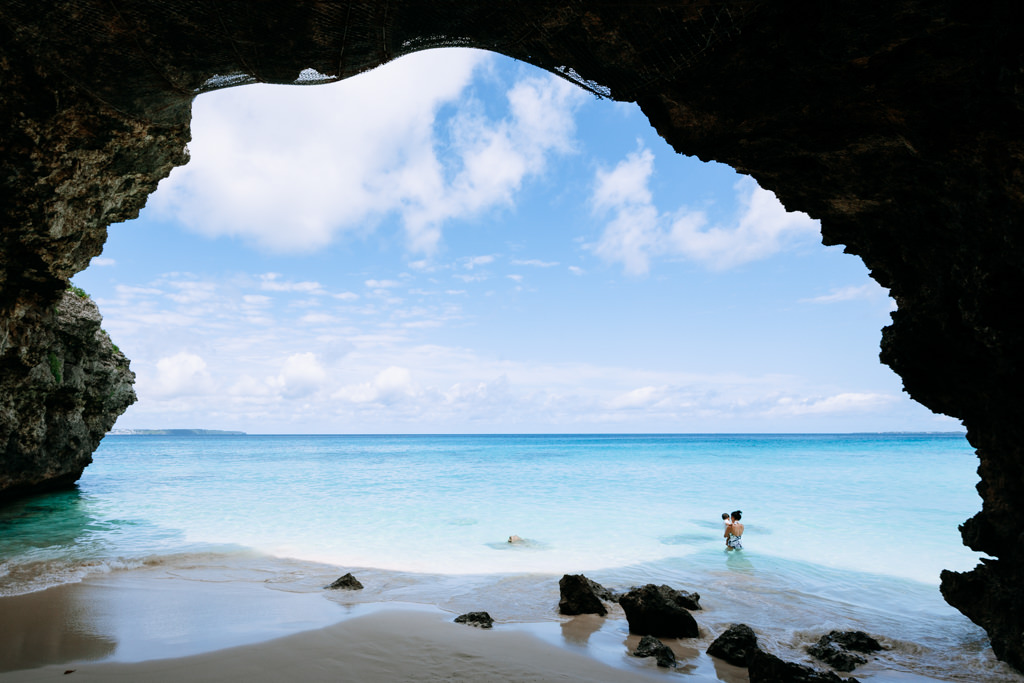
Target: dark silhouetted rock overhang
[{"x": 898, "y": 124}]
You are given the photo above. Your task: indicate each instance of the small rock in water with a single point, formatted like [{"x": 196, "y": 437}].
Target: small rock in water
[
  {"x": 767, "y": 668},
  {"x": 736, "y": 645},
  {"x": 347, "y": 582},
  {"x": 478, "y": 619},
  {"x": 652, "y": 647},
  {"x": 835, "y": 649},
  {"x": 858, "y": 641},
  {"x": 835, "y": 656}
]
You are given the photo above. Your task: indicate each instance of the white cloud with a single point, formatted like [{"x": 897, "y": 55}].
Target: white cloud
[
  {"x": 625, "y": 184},
  {"x": 764, "y": 228},
  {"x": 128, "y": 291},
  {"x": 494, "y": 157},
  {"x": 272, "y": 282},
  {"x": 291, "y": 168},
  {"x": 576, "y": 270},
  {"x": 389, "y": 386},
  {"x": 641, "y": 398},
  {"x": 382, "y": 284},
  {"x": 839, "y": 403},
  {"x": 301, "y": 375},
  {"x": 317, "y": 319},
  {"x": 287, "y": 167},
  {"x": 191, "y": 292},
  {"x": 534, "y": 262},
  {"x": 870, "y": 290},
  {"x": 102, "y": 261},
  {"x": 472, "y": 262},
  {"x": 183, "y": 374},
  {"x": 638, "y": 232}
]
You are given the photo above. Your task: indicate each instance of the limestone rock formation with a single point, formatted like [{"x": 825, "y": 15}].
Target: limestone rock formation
[
  {"x": 62, "y": 386},
  {"x": 900, "y": 125}
]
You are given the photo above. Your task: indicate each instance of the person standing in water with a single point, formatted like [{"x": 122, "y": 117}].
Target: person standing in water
[
  {"x": 734, "y": 531},
  {"x": 726, "y": 521}
]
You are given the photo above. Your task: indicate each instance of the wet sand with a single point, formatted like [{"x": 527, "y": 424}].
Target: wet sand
[{"x": 134, "y": 627}]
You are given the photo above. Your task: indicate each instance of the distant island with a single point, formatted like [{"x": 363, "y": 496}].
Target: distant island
[{"x": 174, "y": 432}]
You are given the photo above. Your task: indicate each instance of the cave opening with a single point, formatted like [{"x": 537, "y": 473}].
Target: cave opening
[
  {"x": 496, "y": 184},
  {"x": 906, "y": 142}
]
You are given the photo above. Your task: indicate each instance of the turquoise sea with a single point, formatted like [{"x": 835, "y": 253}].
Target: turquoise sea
[{"x": 842, "y": 531}]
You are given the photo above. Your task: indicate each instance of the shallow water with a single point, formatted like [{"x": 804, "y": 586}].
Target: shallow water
[{"x": 427, "y": 518}]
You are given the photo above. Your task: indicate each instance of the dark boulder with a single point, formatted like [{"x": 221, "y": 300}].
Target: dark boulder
[
  {"x": 478, "y": 619},
  {"x": 835, "y": 656},
  {"x": 652, "y": 647},
  {"x": 580, "y": 595},
  {"x": 858, "y": 641},
  {"x": 736, "y": 645},
  {"x": 659, "y": 611},
  {"x": 347, "y": 582},
  {"x": 837, "y": 649},
  {"x": 767, "y": 668}
]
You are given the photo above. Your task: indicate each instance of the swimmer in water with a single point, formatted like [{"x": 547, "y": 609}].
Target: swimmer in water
[{"x": 734, "y": 532}]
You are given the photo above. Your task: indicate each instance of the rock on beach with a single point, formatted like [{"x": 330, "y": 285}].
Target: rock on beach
[
  {"x": 580, "y": 595},
  {"x": 347, "y": 582},
  {"x": 652, "y": 647},
  {"x": 736, "y": 645},
  {"x": 478, "y": 619},
  {"x": 660, "y": 611}
]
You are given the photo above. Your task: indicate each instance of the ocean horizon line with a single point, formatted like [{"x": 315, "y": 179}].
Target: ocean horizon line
[{"x": 218, "y": 432}]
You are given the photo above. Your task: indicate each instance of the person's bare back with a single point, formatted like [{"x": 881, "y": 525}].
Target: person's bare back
[{"x": 734, "y": 532}]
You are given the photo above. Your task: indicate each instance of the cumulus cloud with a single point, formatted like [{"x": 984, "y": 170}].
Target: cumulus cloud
[
  {"x": 496, "y": 156},
  {"x": 291, "y": 168},
  {"x": 301, "y": 375},
  {"x": 183, "y": 374},
  {"x": 102, "y": 261},
  {"x": 637, "y": 232},
  {"x": 388, "y": 386}
]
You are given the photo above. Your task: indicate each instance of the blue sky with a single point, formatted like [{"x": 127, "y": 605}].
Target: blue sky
[{"x": 456, "y": 242}]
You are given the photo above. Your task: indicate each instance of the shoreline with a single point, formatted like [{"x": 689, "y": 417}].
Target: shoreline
[
  {"x": 387, "y": 645},
  {"x": 153, "y": 626},
  {"x": 203, "y": 619}
]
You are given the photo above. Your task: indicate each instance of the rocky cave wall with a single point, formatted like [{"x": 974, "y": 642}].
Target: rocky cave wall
[
  {"x": 63, "y": 385},
  {"x": 900, "y": 125}
]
